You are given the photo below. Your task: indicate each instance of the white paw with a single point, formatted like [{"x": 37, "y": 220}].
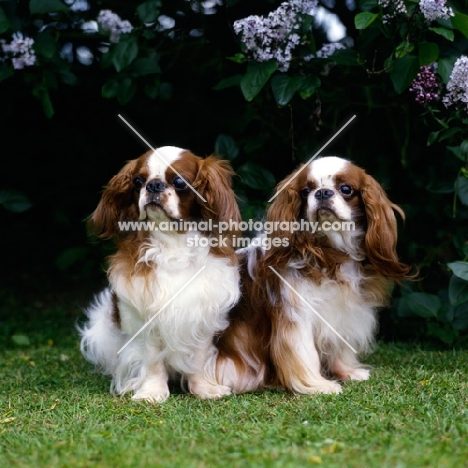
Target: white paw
[
  {"x": 327, "y": 387},
  {"x": 154, "y": 394},
  {"x": 359, "y": 374},
  {"x": 207, "y": 390}
]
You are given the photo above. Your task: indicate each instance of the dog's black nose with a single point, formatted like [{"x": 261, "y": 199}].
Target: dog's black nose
[
  {"x": 156, "y": 186},
  {"x": 324, "y": 194}
]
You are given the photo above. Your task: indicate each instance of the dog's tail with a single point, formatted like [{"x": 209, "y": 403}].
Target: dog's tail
[{"x": 101, "y": 335}]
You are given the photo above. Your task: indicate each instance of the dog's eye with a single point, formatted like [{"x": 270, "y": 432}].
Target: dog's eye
[
  {"x": 346, "y": 190},
  {"x": 179, "y": 183},
  {"x": 138, "y": 183},
  {"x": 305, "y": 192}
]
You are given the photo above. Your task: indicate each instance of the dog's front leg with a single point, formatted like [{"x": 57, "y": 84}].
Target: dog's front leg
[
  {"x": 198, "y": 382},
  {"x": 155, "y": 387}
]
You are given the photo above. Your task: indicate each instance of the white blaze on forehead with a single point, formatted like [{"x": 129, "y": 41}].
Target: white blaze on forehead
[
  {"x": 324, "y": 170},
  {"x": 161, "y": 159}
]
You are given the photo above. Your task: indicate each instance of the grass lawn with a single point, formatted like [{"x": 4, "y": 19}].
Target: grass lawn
[{"x": 55, "y": 412}]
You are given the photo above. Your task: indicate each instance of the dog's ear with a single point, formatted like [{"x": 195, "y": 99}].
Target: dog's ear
[
  {"x": 213, "y": 183},
  {"x": 287, "y": 208},
  {"x": 118, "y": 203},
  {"x": 286, "y": 205},
  {"x": 381, "y": 233},
  {"x": 284, "y": 210}
]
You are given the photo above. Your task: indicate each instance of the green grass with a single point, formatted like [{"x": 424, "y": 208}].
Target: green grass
[{"x": 55, "y": 412}]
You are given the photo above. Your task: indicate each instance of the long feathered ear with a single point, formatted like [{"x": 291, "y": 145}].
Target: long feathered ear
[
  {"x": 286, "y": 205},
  {"x": 117, "y": 204},
  {"x": 381, "y": 233},
  {"x": 285, "y": 208},
  {"x": 213, "y": 182}
]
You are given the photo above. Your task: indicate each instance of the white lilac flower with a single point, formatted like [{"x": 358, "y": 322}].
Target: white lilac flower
[
  {"x": 20, "y": 51},
  {"x": 457, "y": 87},
  {"x": 328, "y": 50},
  {"x": 275, "y": 36},
  {"x": 392, "y": 9},
  {"x": 112, "y": 23},
  {"x": 435, "y": 9}
]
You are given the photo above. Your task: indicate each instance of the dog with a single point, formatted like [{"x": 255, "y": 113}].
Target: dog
[
  {"x": 309, "y": 304},
  {"x": 170, "y": 290}
]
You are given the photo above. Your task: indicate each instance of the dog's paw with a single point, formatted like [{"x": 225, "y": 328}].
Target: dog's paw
[
  {"x": 358, "y": 374},
  {"x": 208, "y": 390},
  {"x": 155, "y": 393},
  {"x": 326, "y": 387}
]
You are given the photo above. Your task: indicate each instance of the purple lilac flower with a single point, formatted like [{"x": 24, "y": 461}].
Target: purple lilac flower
[{"x": 425, "y": 86}]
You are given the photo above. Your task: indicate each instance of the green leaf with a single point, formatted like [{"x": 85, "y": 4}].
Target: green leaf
[
  {"x": 445, "y": 67},
  {"x": 442, "y": 332},
  {"x": 364, "y": 19},
  {"x": 255, "y": 176},
  {"x": 428, "y": 53},
  {"x": 459, "y": 269},
  {"x": 4, "y": 21},
  {"x": 423, "y": 304},
  {"x": 127, "y": 90},
  {"x": 464, "y": 149},
  {"x": 366, "y": 5},
  {"x": 458, "y": 290},
  {"x": 145, "y": 66},
  {"x": 284, "y": 87},
  {"x": 444, "y": 32},
  {"x": 403, "y": 49},
  {"x": 45, "y": 45},
  {"x": 106, "y": 59},
  {"x": 449, "y": 133},
  {"x": 462, "y": 189},
  {"x": 403, "y": 72},
  {"x": 460, "y": 22},
  {"x": 456, "y": 150},
  {"x": 41, "y": 7},
  {"x": 149, "y": 12},
  {"x": 225, "y": 147},
  {"x": 124, "y": 53},
  {"x": 238, "y": 58},
  {"x": 432, "y": 138},
  {"x": 309, "y": 86},
  {"x": 228, "y": 82},
  {"x": 460, "y": 316},
  {"x": 402, "y": 307},
  {"x": 15, "y": 201},
  {"x": 110, "y": 89},
  {"x": 256, "y": 77}
]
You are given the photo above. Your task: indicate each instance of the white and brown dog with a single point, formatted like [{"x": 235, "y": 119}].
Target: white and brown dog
[
  {"x": 312, "y": 316},
  {"x": 168, "y": 296}
]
